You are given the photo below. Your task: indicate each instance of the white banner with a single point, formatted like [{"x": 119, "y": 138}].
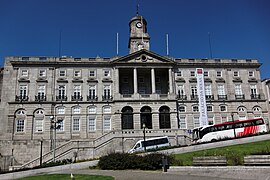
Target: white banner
[{"x": 201, "y": 96}]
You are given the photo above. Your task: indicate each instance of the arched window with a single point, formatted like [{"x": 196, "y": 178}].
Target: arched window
[
  {"x": 127, "y": 118},
  {"x": 77, "y": 110},
  {"x": 146, "y": 117},
  {"x": 39, "y": 120},
  {"x": 164, "y": 118},
  {"x": 20, "y": 121}
]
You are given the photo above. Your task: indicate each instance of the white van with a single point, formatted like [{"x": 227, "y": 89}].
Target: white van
[{"x": 152, "y": 143}]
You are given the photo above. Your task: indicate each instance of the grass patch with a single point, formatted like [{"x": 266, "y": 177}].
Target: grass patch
[
  {"x": 234, "y": 154},
  {"x": 67, "y": 176}
]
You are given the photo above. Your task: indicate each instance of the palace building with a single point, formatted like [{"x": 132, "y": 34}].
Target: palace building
[{"x": 87, "y": 107}]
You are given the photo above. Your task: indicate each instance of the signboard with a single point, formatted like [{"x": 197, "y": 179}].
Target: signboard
[{"x": 201, "y": 95}]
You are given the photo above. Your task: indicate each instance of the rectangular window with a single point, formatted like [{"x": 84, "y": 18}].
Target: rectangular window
[
  {"x": 141, "y": 79},
  {"x": 76, "y": 124},
  {"x": 39, "y": 124},
  {"x": 125, "y": 79},
  {"x": 92, "y": 110},
  {"x": 223, "y": 108},
  {"x": 195, "y": 108},
  {"x": 219, "y": 73},
  {"x": 183, "y": 122},
  {"x": 224, "y": 118},
  {"x": 24, "y": 73},
  {"x": 92, "y": 73},
  {"x": 178, "y": 73},
  {"x": 20, "y": 125},
  {"x": 23, "y": 90},
  {"x": 192, "y": 73},
  {"x": 77, "y": 90},
  {"x": 221, "y": 90},
  {"x": 92, "y": 123},
  {"x": 242, "y": 117},
  {"x": 107, "y": 123},
  {"x": 62, "y": 73},
  {"x": 92, "y": 91},
  {"x": 107, "y": 73},
  {"x": 208, "y": 91},
  {"x": 238, "y": 90},
  {"x": 180, "y": 89},
  {"x": 107, "y": 109},
  {"x": 77, "y": 73},
  {"x": 60, "y": 124},
  {"x": 250, "y": 74},
  {"x": 253, "y": 89},
  {"x": 196, "y": 121},
  {"x": 206, "y": 74},
  {"x": 61, "y": 90},
  {"x": 209, "y": 108},
  {"x": 42, "y": 73},
  {"x": 194, "y": 90},
  {"x": 236, "y": 74},
  {"x": 211, "y": 120},
  {"x": 107, "y": 91},
  {"x": 41, "y": 90}
]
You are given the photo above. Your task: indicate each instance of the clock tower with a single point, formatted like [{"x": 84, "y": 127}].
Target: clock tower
[{"x": 139, "y": 38}]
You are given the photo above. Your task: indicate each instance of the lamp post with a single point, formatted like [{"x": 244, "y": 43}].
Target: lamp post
[
  {"x": 53, "y": 126},
  {"x": 41, "y": 144},
  {"x": 144, "y": 137},
  {"x": 233, "y": 125}
]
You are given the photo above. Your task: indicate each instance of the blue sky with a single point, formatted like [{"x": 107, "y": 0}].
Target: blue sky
[{"x": 238, "y": 28}]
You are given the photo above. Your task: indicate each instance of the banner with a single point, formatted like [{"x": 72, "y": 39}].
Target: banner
[{"x": 201, "y": 96}]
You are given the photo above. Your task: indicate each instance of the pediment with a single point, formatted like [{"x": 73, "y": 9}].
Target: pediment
[{"x": 143, "y": 57}]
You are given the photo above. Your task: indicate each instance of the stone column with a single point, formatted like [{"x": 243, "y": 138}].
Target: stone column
[
  {"x": 153, "y": 81},
  {"x": 170, "y": 81},
  {"x": 135, "y": 83}
]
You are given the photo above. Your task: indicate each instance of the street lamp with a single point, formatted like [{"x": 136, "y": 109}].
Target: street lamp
[
  {"x": 53, "y": 126},
  {"x": 233, "y": 125},
  {"x": 144, "y": 137},
  {"x": 41, "y": 143}
]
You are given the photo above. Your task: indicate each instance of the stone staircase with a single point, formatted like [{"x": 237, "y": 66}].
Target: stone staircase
[{"x": 94, "y": 148}]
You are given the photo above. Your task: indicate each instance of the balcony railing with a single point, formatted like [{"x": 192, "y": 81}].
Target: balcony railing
[
  {"x": 255, "y": 96},
  {"x": 76, "y": 98},
  {"x": 92, "y": 98},
  {"x": 40, "y": 98},
  {"x": 241, "y": 96},
  {"x": 61, "y": 98},
  {"x": 194, "y": 97},
  {"x": 126, "y": 95},
  {"x": 209, "y": 97},
  {"x": 107, "y": 98},
  {"x": 222, "y": 97},
  {"x": 21, "y": 98},
  {"x": 181, "y": 97}
]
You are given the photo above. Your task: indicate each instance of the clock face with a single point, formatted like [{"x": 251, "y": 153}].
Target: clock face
[{"x": 139, "y": 25}]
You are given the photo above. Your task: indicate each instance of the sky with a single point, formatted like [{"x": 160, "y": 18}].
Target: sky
[{"x": 88, "y": 28}]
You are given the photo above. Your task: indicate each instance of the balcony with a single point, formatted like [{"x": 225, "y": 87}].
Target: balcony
[
  {"x": 255, "y": 96},
  {"x": 76, "y": 98},
  {"x": 241, "y": 96},
  {"x": 181, "y": 97},
  {"x": 92, "y": 98},
  {"x": 209, "y": 97},
  {"x": 222, "y": 97},
  {"x": 194, "y": 97},
  {"x": 40, "y": 98},
  {"x": 107, "y": 98},
  {"x": 21, "y": 98},
  {"x": 61, "y": 98}
]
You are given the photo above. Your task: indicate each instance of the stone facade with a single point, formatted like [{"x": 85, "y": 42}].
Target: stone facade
[{"x": 106, "y": 102}]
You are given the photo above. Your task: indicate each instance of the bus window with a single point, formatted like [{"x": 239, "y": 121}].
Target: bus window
[
  {"x": 259, "y": 122},
  {"x": 137, "y": 146}
]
